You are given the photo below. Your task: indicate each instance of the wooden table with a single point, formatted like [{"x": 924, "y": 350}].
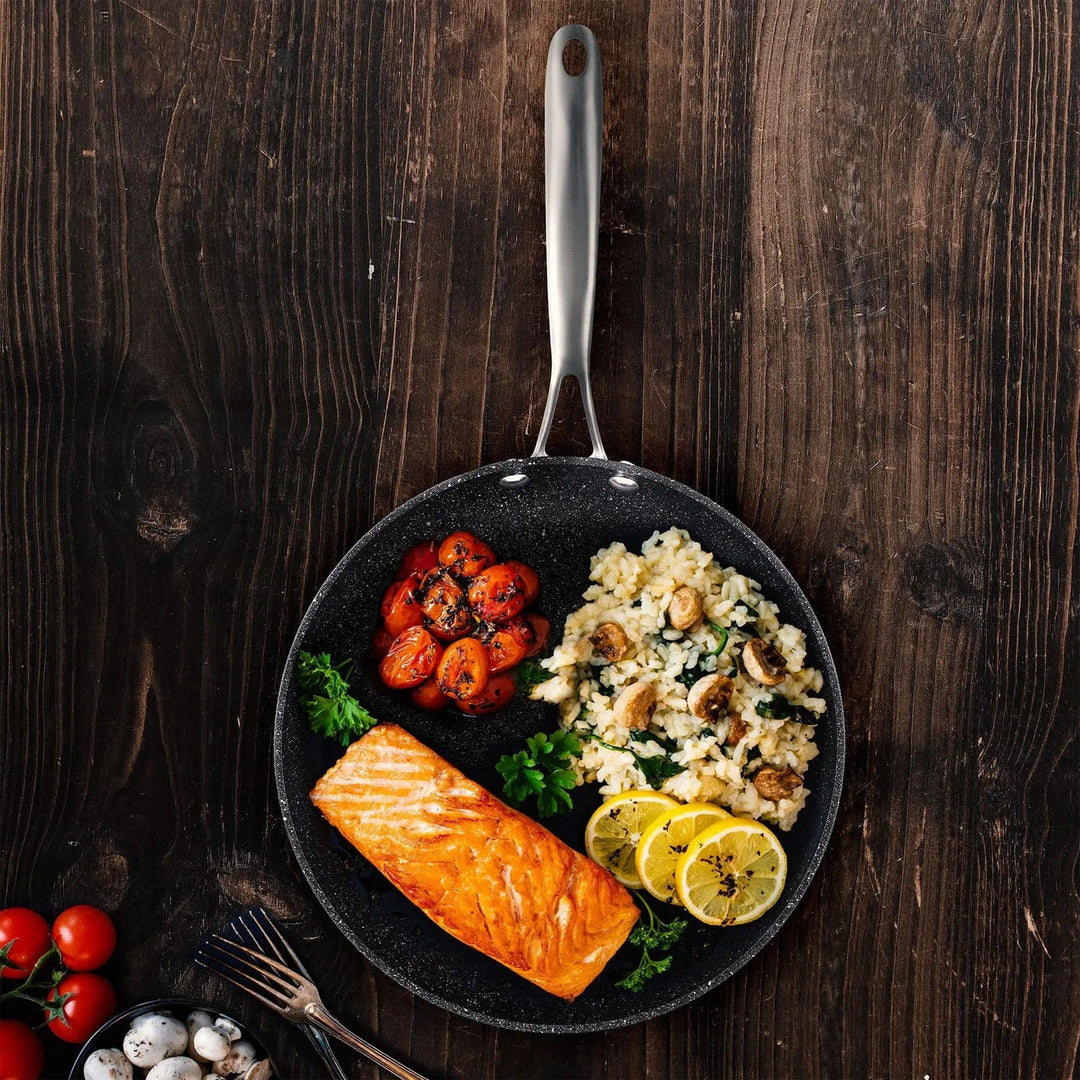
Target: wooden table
[{"x": 269, "y": 269}]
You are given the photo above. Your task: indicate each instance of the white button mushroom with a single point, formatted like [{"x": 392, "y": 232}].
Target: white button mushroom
[
  {"x": 211, "y": 1044},
  {"x": 228, "y": 1029},
  {"x": 107, "y": 1065},
  {"x": 152, "y": 1038},
  {"x": 685, "y": 609},
  {"x": 176, "y": 1068},
  {"x": 240, "y": 1058},
  {"x": 200, "y": 1018},
  {"x": 634, "y": 706}
]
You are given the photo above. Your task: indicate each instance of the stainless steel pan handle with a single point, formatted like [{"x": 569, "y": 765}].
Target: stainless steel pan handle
[{"x": 573, "y": 132}]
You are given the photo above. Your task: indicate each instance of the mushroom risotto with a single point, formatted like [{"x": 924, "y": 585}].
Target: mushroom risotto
[{"x": 677, "y": 674}]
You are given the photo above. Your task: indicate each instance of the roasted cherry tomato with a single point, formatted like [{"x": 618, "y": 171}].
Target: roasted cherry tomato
[
  {"x": 92, "y": 1002},
  {"x": 541, "y": 628},
  {"x": 85, "y": 936},
  {"x": 529, "y": 578},
  {"x": 463, "y": 669},
  {"x": 401, "y": 607},
  {"x": 381, "y": 641},
  {"x": 465, "y": 555},
  {"x": 28, "y": 934},
  {"x": 428, "y": 696},
  {"x": 22, "y": 1057},
  {"x": 498, "y": 593},
  {"x": 505, "y": 648},
  {"x": 499, "y": 690},
  {"x": 419, "y": 559},
  {"x": 443, "y": 602},
  {"x": 411, "y": 658}
]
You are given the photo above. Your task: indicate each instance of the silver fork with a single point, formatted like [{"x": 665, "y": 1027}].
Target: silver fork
[
  {"x": 257, "y": 926},
  {"x": 288, "y": 993}
]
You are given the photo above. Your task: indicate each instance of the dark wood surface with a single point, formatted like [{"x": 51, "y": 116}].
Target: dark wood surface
[{"x": 269, "y": 269}]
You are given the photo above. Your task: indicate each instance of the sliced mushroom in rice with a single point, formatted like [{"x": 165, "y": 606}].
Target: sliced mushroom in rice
[
  {"x": 774, "y": 784},
  {"x": 686, "y": 609},
  {"x": 764, "y": 662},
  {"x": 708, "y": 698},
  {"x": 610, "y": 641},
  {"x": 737, "y": 731},
  {"x": 634, "y": 707}
]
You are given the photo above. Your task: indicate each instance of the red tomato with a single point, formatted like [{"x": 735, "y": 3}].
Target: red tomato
[
  {"x": 498, "y": 593},
  {"x": 381, "y": 641},
  {"x": 419, "y": 559},
  {"x": 505, "y": 649},
  {"x": 429, "y": 697},
  {"x": 22, "y": 1057},
  {"x": 465, "y": 555},
  {"x": 530, "y": 578},
  {"x": 85, "y": 936},
  {"x": 443, "y": 601},
  {"x": 92, "y": 1002},
  {"x": 497, "y": 693},
  {"x": 28, "y": 933},
  {"x": 400, "y": 607},
  {"x": 463, "y": 669},
  {"x": 411, "y": 658},
  {"x": 541, "y": 628}
]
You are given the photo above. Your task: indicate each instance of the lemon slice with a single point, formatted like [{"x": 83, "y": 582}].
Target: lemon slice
[
  {"x": 613, "y": 832},
  {"x": 666, "y": 840},
  {"x": 732, "y": 873}
]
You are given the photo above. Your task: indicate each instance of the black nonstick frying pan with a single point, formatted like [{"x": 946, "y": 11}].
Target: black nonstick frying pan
[{"x": 552, "y": 513}]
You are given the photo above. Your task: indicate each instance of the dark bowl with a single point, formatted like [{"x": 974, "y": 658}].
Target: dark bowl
[{"x": 112, "y": 1032}]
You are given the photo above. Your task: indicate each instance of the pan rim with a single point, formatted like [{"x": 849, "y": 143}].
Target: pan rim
[{"x": 787, "y": 905}]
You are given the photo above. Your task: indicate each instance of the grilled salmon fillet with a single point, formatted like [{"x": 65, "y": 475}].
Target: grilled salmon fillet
[{"x": 490, "y": 876}]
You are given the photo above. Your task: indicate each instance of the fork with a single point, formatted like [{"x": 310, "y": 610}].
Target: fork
[
  {"x": 288, "y": 993},
  {"x": 257, "y": 926}
]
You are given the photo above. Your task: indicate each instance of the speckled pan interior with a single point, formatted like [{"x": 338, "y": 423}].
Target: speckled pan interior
[{"x": 555, "y": 521}]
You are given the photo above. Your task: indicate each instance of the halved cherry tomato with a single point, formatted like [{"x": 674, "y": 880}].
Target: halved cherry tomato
[
  {"x": 412, "y": 657},
  {"x": 91, "y": 1003},
  {"x": 381, "y": 641},
  {"x": 498, "y": 593},
  {"x": 498, "y": 692},
  {"x": 428, "y": 696},
  {"x": 419, "y": 559},
  {"x": 463, "y": 669},
  {"x": 400, "y": 606},
  {"x": 505, "y": 648},
  {"x": 443, "y": 601},
  {"x": 530, "y": 579},
  {"x": 465, "y": 555},
  {"x": 541, "y": 628}
]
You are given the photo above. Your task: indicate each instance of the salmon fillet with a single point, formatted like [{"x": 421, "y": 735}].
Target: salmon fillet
[{"x": 485, "y": 873}]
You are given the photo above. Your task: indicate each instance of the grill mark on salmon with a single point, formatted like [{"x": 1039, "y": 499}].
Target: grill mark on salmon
[{"x": 487, "y": 874}]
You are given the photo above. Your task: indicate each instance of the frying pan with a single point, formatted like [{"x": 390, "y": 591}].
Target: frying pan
[{"x": 553, "y": 513}]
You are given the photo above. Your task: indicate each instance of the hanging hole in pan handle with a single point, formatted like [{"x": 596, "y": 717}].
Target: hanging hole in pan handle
[{"x": 574, "y": 57}]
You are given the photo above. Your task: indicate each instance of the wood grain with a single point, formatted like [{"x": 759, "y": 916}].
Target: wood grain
[{"x": 266, "y": 270}]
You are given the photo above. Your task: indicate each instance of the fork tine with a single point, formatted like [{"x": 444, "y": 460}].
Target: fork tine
[
  {"x": 273, "y": 932},
  {"x": 277, "y": 965},
  {"x": 276, "y": 1006},
  {"x": 256, "y": 931},
  {"x": 230, "y": 959}
]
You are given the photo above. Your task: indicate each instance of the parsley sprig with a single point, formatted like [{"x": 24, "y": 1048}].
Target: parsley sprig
[
  {"x": 324, "y": 693},
  {"x": 544, "y": 769},
  {"x": 656, "y": 769},
  {"x": 528, "y": 675},
  {"x": 658, "y": 936}
]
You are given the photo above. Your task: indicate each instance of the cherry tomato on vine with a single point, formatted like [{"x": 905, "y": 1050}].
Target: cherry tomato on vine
[
  {"x": 28, "y": 935},
  {"x": 22, "y": 1057},
  {"x": 465, "y": 555},
  {"x": 85, "y": 936},
  {"x": 419, "y": 559},
  {"x": 92, "y": 1002}
]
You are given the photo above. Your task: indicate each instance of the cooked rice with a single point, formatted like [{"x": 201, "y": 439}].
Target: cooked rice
[{"x": 635, "y": 591}]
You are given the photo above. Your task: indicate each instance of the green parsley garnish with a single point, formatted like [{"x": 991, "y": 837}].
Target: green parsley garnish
[
  {"x": 542, "y": 769},
  {"x": 659, "y": 936},
  {"x": 324, "y": 693},
  {"x": 528, "y": 675},
  {"x": 655, "y": 769}
]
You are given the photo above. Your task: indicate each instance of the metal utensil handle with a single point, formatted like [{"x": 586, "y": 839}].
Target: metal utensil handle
[
  {"x": 318, "y": 1014},
  {"x": 573, "y": 133}
]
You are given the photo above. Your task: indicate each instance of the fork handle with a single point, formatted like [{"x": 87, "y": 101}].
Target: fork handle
[{"x": 317, "y": 1014}]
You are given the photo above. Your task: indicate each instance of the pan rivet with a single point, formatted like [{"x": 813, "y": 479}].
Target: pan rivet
[
  {"x": 623, "y": 483},
  {"x": 515, "y": 480}
]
